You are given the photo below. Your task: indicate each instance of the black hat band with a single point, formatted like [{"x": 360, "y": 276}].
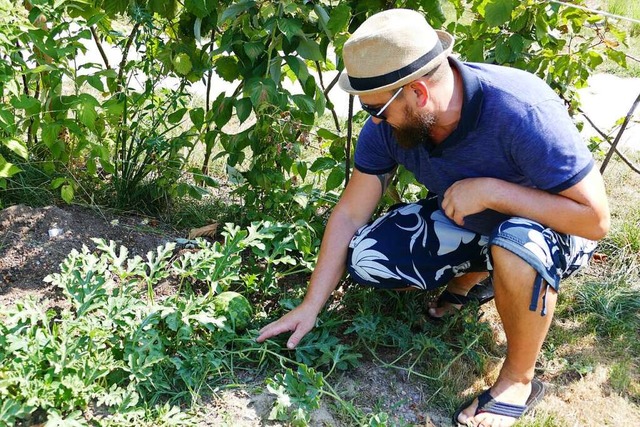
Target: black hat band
[{"x": 368, "y": 83}]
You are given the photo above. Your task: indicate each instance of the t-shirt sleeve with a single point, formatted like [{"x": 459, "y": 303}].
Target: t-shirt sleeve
[
  {"x": 373, "y": 153},
  {"x": 550, "y": 150}
]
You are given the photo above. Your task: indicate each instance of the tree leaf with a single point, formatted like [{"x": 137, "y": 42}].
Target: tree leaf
[
  {"x": 176, "y": 116},
  {"x": 309, "y": 49},
  {"x": 253, "y": 50},
  {"x": 223, "y": 110},
  {"x": 340, "y": 16},
  {"x": 475, "y": 52},
  {"x": 261, "y": 92},
  {"x": 7, "y": 169},
  {"x": 322, "y": 163},
  {"x": 497, "y": 12},
  {"x": 304, "y": 103},
  {"x": 290, "y": 27},
  {"x": 197, "y": 117},
  {"x": 235, "y": 9},
  {"x": 502, "y": 52},
  {"x": 17, "y": 146},
  {"x": 227, "y": 68},
  {"x": 200, "y": 8},
  {"x": 67, "y": 193},
  {"x": 86, "y": 110},
  {"x": 298, "y": 67},
  {"x": 335, "y": 179},
  {"x": 243, "y": 108}
]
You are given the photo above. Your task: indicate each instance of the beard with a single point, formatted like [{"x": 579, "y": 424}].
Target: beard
[{"x": 416, "y": 130}]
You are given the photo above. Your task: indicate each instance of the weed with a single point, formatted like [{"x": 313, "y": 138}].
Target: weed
[{"x": 611, "y": 309}]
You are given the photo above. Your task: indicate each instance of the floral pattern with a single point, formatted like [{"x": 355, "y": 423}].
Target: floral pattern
[{"x": 417, "y": 245}]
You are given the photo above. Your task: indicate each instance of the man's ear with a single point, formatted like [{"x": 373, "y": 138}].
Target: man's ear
[{"x": 420, "y": 91}]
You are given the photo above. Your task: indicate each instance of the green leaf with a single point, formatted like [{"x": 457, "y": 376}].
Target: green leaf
[
  {"x": 475, "y": 52},
  {"x": 323, "y": 163},
  {"x": 176, "y": 116},
  {"x": 262, "y": 92},
  {"x": 309, "y": 49},
  {"x": 24, "y": 102},
  {"x": 200, "y": 8},
  {"x": 290, "y": 27},
  {"x": 223, "y": 108},
  {"x": 7, "y": 121},
  {"x": 325, "y": 133},
  {"x": 235, "y": 9},
  {"x": 300, "y": 168},
  {"x": 340, "y": 16},
  {"x": 7, "y": 170},
  {"x": 66, "y": 192},
  {"x": 617, "y": 56},
  {"x": 17, "y": 146},
  {"x": 516, "y": 42},
  {"x": 243, "y": 108},
  {"x": 335, "y": 179},
  {"x": 253, "y": 50},
  {"x": 56, "y": 183},
  {"x": 304, "y": 103},
  {"x": 323, "y": 17},
  {"x": 28, "y": 103},
  {"x": 502, "y": 52},
  {"x": 182, "y": 64},
  {"x": 298, "y": 67},
  {"x": 113, "y": 107},
  {"x": 86, "y": 109},
  {"x": 497, "y": 12},
  {"x": 197, "y": 117},
  {"x": 96, "y": 82},
  {"x": 227, "y": 68}
]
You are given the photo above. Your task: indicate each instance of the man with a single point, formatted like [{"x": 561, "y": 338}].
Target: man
[{"x": 515, "y": 193}]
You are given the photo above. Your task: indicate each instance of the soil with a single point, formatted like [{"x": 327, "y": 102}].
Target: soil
[{"x": 34, "y": 241}]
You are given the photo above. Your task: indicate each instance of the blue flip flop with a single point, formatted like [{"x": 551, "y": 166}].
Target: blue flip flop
[{"x": 486, "y": 403}]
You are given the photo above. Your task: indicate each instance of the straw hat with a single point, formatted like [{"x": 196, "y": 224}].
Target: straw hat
[{"x": 391, "y": 49}]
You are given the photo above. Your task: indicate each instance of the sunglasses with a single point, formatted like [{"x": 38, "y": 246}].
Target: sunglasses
[{"x": 378, "y": 113}]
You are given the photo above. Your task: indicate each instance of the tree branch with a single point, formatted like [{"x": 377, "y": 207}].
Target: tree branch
[
  {"x": 99, "y": 45},
  {"x": 608, "y": 139},
  {"x": 614, "y": 144},
  {"x": 332, "y": 108}
]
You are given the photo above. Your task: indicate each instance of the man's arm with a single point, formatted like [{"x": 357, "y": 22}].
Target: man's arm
[
  {"x": 354, "y": 209},
  {"x": 580, "y": 210}
]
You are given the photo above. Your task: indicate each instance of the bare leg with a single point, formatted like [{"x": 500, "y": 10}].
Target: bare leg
[
  {"x": 525, "y": 331},
  {"x": 461, "y": 286}
]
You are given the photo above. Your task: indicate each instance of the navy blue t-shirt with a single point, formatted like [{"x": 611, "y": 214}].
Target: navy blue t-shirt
[{"x": 513, "y": 127}]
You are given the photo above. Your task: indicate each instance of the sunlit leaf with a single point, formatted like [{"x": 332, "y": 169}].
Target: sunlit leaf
[
  {"x": 7, "y": 169},
  {"x": 227, "y": 68},
  {"x": 17, "y": 146},
  {"x": 497, "y": 12}
]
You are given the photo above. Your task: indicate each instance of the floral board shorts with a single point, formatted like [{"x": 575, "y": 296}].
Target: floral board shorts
[{"x": 417, "y": 245}]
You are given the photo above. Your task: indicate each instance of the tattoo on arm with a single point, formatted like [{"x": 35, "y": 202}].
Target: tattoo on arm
[{"x": 385, "y": 179}]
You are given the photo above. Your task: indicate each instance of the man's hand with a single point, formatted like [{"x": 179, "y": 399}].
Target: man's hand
[
  {"x": 466, "y": 197},
  {"x": 300, "y": 321}
]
